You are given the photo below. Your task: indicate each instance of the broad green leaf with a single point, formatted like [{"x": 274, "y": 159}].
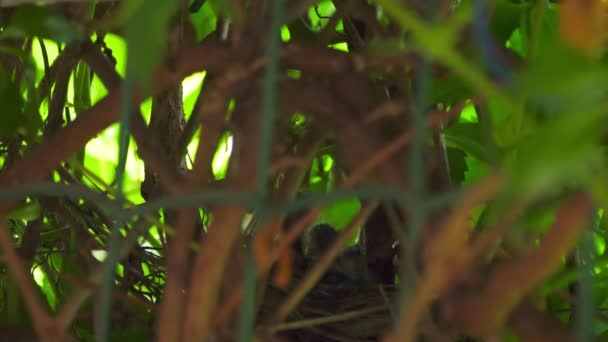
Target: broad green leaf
[
  {"x": 509, "y": 127},
  {"x": 476, "y": 170},
  {"x": 118, "y": 46},
  {"x": 564, "y": 152},
  {"x": 319, "y": 15},
  {"x": 449, "y": 90},
  {"x": 548, "y": 33},
  {"x": 221, "y": 160},
  {"x": 39, "y": 21},
  {"x": 204, "y": 21},
  {"x": 505, "y": 19},
  {"x": 562, "y": 81},
  {"x": 516, "y": 43},
  {"x": 318, "y": 185},
  {"x": 467, "y": 137},
  {"x": 192, "y": 86},
  {"x": 146, "y": 33},
  {"x": 45, "y": 286},
  {"x": 340, "y": 213}
]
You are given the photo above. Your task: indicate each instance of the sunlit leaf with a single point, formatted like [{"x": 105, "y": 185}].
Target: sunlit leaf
[
  {"x": 45, "y": 286},
  {"x": 82, "y": 87},
  {"x": 221, "y": 159},
  {"x": 320, "y": 13},
  {"x": 204, "y": 21},
  {"x": 339, "y": 214}
]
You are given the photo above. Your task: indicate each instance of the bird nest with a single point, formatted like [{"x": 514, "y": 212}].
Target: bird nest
[{"x": 334, "y": 312}]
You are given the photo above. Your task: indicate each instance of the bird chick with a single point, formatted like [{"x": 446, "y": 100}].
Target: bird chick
[{"x": 349, "y": 268}]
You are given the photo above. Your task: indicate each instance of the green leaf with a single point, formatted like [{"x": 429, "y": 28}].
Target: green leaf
[
  {"x": 340, "y": 213},
  {"x": 46, "y": 287},
  {"x": 449, "y": 90},
  {"x": 25, "y": 211},
  {"x": 82, "y": 87},
  {"x": 146, "y": 33},
  {"x": 476, "y": 170},
  {"x": 204, "y": 21},
  {"x": 12, "y": 106},
  {"x": 30, "y": 20},
  {"x": 562, "y": 81},
  {"x": 505, "y": 19},
  {"x": 325, "y": 9},
  {"x": 467, "y": 137},
  {"x": 516, "y": 43},
  {"x": 548, "y": 34},
  {"x": 457, "y": 164},
  {"x": 563, "y": 152}
]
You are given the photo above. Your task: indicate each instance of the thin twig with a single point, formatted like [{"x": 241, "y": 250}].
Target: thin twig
[{"x": 345, "y": 316}]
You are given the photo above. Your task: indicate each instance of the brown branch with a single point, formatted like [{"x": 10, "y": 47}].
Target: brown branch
[
  {"x": 288, "y": 189},
  {"x": 213, "y": 113},
  {"x": 68, "y": 140},
  {"x": 355, "y": 177},
  {"x": 265, "y": 238},
  {"x": 170, "y": 314},
  {"x": 64, "y": 67},
  {"x": 146, "y": 149},
  {"x": 43, "y": 323},
  {"x": 225, "y": 229},
  {"x": 62, "y": 64},
  {"x": 489, "y": 307},
  {"x": 448, "y": 257},
  {"x": 71, "y": 138}
]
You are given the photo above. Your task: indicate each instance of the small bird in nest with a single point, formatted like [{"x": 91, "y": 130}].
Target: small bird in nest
[{"x": 349, "y": 269}]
